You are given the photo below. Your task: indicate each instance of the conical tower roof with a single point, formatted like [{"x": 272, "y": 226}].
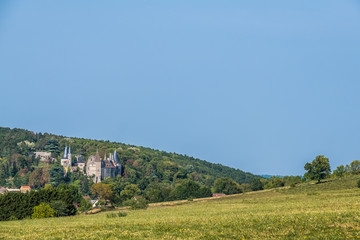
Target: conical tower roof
[
  {"x": 97, "y": 157},
  {"x": 116, "y": 158},
  {"x": 65, "y": 155}
]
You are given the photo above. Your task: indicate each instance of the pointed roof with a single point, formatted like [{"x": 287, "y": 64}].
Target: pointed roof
[
  {"x": 97, "y": 157},
  {"x": 81, "y": 160},
  {"x": 65, "y": 153},
  {"x": 116, "y": 158}
]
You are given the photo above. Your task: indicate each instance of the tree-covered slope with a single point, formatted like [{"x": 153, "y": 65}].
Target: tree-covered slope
[{"x": 141, "y": 165}]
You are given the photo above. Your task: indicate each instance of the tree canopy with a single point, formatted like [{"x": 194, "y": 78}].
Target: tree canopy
[
  {"x": 226, "y": 185},
  {"x": 318, "y": 169}
]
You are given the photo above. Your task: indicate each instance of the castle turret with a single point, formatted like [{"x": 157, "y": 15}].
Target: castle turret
[
  {"x": 66, "y": 159},
  {"x": 69, "y": 157}
]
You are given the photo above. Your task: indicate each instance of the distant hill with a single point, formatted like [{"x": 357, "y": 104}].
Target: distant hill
[
  {"x": 141, "y": 165},
  {"x": 267, "y": 176}
]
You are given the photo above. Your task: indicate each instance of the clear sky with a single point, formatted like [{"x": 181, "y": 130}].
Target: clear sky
[{"x": 263, "y": 86}]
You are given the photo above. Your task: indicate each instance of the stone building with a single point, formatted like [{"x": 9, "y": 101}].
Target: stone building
[
  {"x": 45, "y": 157},
  {"x": 100, "y": 169}
]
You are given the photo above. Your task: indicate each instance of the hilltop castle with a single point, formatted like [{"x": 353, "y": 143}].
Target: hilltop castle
[
  {"x": 95, "y": 166},
  {"x": 103, "y": 168}
]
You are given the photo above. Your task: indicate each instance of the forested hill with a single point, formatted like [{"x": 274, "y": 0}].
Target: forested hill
[{"x": 142, "y": 166}]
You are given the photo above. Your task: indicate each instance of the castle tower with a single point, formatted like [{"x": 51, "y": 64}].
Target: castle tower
[
  {"x": 65, "y": 159},
  {"x": 93, "y": 167},
  {"x": 69, "y": 157},
  {"x": 117, "y": 163}
]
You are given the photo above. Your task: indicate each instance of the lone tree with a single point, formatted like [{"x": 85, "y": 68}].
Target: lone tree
[{"x": 318, "y": 169}]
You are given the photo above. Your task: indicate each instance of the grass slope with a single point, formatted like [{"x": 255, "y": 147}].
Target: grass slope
[{"x": 330, "y": 210}]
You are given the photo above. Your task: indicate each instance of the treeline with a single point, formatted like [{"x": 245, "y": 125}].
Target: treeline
[
  {"x": 349, "y": 169},
  {"x": 141, "y": 166},
  {"x": 17, "y": 205}
]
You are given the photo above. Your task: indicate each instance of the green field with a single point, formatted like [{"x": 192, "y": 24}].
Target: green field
[{"x": 329, "y": 210}]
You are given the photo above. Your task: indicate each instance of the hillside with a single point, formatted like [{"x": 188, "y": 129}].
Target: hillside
[
  {"x": 329, "y": 210},
  {"x": 141, "y": 165}
]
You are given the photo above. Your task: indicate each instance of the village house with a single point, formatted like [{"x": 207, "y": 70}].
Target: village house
[{"x": 25, "y": 189}]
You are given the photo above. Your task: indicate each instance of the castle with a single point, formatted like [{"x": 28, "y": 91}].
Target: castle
[
  {"x": 66, "y": 159},
  {"x": 95, "y": 166}
]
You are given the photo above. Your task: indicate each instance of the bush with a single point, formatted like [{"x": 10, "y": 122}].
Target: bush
[
  {"x": 85, "y": 205},
  {"x": 358, "y": 184},
  {"x": 113, "y": 215},
  {"x": 122, "y": 214},
  {"x": 43, "y": 211},
  {"x": 13, "y": 218},
  {"x": 137, "y": 203}
]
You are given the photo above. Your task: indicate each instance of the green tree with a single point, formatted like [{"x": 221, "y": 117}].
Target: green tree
[
  {"x": 226, "y": 185},
  {"x": 274, "y": 182},
  {"x": 101, "y": 190},
  {"x": 130, "y": 191},
  {"x": 355, "y": 167},
  {"x": 137, "y": 203},
  {"x": 339, "y": 171},
  {"x": 43, "y": 211},
  {"x": 189, "y": 189},
  {"x": 246, "y": 187},
  {"x": 257, "y": 184},
  {"x": 60, "y": 208},
  {"x": 52, "y": 146},
  {"x": 318, "y": 169},
  {"x": 56, "y": 175},
  {"x": 85, "y": 205}
]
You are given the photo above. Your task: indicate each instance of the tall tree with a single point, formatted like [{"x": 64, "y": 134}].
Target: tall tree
[
  {"x": 56, "y": 175},
  {"x": 318, "y": 169}
]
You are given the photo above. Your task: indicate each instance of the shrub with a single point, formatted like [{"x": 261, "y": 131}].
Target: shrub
[
  {"x": 358, "y": 184},
  {"x": 137, "y": 203},
  {"x": 100, "y": 203},
  {"x": 111, "y": 215},
  {"x": 43, "y": 211},
  {"x": 122, "y": 214},
  {"x": 85, "y": 205},
  {"x": 13, "y": 218}
]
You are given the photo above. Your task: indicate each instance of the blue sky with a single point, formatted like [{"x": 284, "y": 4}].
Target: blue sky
[{"x": 263, "y": 86}]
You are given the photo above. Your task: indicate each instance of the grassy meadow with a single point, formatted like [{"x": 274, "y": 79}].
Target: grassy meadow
[{"x": 329, "y": 210}]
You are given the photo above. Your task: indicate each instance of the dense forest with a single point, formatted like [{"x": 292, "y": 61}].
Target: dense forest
[{"x": 145, "y": 167}]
